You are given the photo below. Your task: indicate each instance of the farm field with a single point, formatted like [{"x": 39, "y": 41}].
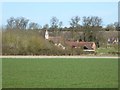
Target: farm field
[{"x": 59, "y": 73}]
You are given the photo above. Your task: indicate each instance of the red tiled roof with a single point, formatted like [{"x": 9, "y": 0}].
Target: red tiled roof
[{"x": 89, "y": 45}]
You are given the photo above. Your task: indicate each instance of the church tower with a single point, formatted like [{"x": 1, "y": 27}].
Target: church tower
[{"x": 46, "y": 35}]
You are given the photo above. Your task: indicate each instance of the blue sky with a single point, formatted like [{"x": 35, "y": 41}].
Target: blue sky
[{"x": 42, "y": 12}]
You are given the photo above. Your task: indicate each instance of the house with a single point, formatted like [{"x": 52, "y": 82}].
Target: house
[
  {"x": 112, "y": 41},
  {"x": 87, "y": 46}
]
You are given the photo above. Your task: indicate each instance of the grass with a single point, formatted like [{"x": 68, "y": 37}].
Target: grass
[
  {"x": 108, "y": 50},
  {"x": 60, "y": 73}
]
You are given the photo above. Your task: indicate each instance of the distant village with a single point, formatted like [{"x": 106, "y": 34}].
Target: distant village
[
  {"x": 21, "y": 37},
  {"x": 85, "y": 45}
]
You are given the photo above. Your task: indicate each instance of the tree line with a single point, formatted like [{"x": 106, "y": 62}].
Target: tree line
[
  {"x": 23, "y": 23},
  {"x": 22, "y": 37}
]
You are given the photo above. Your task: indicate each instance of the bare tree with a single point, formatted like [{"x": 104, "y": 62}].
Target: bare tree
[
  {"x": 21, "y": 23},
  {"x": 93, "y": 21},
  {"x": 33, "y": 25},
  {"x": 75, "y": 21},
  {"x": 17, "y": 23},
  {"x": 54, "y": 25},
  {"x": 86, "y": 21},
  {"x": 96, "y": 21},
  {"x": 11, "y": 23},
  {"x": 60, "y": 25},
  {"x": 54, "y": 22},
  {"x": 46, "y": 26},
  {"x": 90, "y": 24}
]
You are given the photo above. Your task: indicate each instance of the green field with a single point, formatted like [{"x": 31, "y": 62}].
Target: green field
[{"x": 60, "y": 73}]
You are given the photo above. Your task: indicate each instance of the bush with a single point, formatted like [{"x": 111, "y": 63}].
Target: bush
[
  {"x": 22, "y": 42},
  {"x": 29, "y": 42}
]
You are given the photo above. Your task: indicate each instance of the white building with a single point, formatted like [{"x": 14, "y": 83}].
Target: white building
[{"x": 46, "y": 35}]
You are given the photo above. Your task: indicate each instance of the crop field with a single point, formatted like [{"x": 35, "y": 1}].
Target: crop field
[{"x": 59, "y": 73}]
